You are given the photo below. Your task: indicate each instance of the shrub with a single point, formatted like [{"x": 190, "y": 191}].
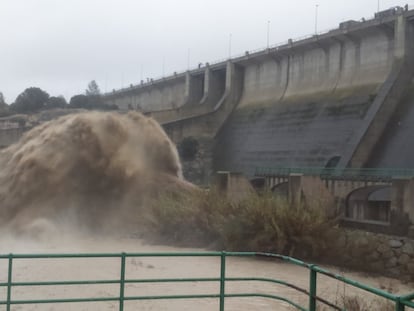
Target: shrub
[{"x": 258, "y": 223}]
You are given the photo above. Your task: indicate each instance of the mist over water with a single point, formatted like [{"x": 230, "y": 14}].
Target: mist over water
[{"x": 90, "y": 171}]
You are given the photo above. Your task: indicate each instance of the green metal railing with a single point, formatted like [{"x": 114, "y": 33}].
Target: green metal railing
[
  {"x": 401, "y": 302},
  {"x": 379, "y": 173}
]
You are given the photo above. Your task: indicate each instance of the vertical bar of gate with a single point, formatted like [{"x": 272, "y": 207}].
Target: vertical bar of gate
[
  {"x": 312, "y": 289},
  {"x": 122, "y": 283},
  {"x": 9, "y": 282},
  {"x": 222, "y": 279}
]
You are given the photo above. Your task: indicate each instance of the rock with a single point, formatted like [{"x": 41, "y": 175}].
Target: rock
[
  {"x": 411, "y": 232},
  {"x": 408, "y": 248},
  {"x": 341, "y": 242},
  {"x": 404, "y": 259},
  {"x": 392, "y": 262},
  {"x": 377, "y": 266},
  {"x": 387, "y": 255},
  {"x": 363, "y": 241},
  {"x": 373, "y": 256},
  {"x": 395, "y": 272},
  {"x": 410, "y": 267},
  {"x": 382, "y": 248},
  {"x": 395, "y": 243}
]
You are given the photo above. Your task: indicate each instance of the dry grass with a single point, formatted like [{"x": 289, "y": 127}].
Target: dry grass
[
  {"x": 258, "y": 223},
  {"x": 361, "y": 303},
  {"x": 357, "y": 303}
]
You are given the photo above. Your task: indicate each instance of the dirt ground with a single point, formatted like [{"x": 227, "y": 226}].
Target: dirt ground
[{"x": 150, "y": 267}]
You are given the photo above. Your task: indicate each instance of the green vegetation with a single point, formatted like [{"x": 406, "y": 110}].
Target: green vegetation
[
  {"x": 258, "y": 223},
  {"x": 4, "y": 108},
  {"x": 30, "y": 100},
  {"x": 34, "y": 99}
]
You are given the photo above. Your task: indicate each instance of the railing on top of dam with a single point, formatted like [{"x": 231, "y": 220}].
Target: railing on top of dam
[
  {"x": 174, "y": 74},
  {"x": 400, "y": 301},
  {"x": 274, "y": 46},
  {"x": 348, "y": 173}
]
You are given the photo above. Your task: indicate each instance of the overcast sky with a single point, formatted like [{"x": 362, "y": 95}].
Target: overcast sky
[{"x": 61, "y": 45}]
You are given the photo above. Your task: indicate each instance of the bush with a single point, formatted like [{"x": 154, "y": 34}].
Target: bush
[
  {"x": 258, "y": 223},
  {"x": 90, "y": 102}
]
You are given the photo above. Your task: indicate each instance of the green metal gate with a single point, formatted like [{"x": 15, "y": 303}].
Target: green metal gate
[{"x": 401, "y": 302}]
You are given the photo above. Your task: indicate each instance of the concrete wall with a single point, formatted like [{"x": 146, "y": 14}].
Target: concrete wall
[
  {"x": 357, "y": 63},
  {"x": 159, "y": 96},
  {"x": 10, "y": 136},
  {"x": 299, "y": 104},
  {"x": 303, "y": 105},
  {"x": 209, "y": 123},
  {"x": 265, "y": 81},
  {"x": 338, "y": 193}
]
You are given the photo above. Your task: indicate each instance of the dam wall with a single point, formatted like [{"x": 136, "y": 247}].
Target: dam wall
[
  {"x": 323, "y": 68},
  {"x": 324, "y": 103},
  {"x": 166, "y": 94},
  {"x": 327, "y": 100},
  {"x": 343, "y": 98}
]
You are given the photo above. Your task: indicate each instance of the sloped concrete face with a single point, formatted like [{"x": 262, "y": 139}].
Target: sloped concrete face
[
  {"x": 396, "y": 148},
  {"x": 306, "y": 134}
]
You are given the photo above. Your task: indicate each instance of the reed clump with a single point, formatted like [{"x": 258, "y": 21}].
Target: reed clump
[{"x": 258, "y": 223}]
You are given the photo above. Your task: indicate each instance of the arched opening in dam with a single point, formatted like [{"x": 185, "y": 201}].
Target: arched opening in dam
[{"x": 369, "y": 204}]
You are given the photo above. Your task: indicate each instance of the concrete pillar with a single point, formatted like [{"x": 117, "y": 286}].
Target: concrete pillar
[
  {"x": 207, "y": 82},
  {"x": 234, "y": 81},
  {"x": 229, "y": 76},
  {"x": 400, "y": 37},
  {"x": 295, "y": 188},
  {"x": 402, "y": 204},
  {"x": 193, "y": 88},
  {"x": 408, "y": 203},
  {"x": 188, "y": 85}
]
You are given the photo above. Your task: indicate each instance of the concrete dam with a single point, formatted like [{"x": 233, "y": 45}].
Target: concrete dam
[
  {"x": 339, "y": 99},
  {"x": 343, "y": 99}
]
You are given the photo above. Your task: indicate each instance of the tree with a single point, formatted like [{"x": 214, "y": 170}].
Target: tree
[
  {"x": 31, "y": 99},
  {"x": 4, "y": 108},
  {"x": 56, "y": 102},
  {"x": 93, "y": 89},
  {"x": 79, "y": 101},
  {"x": 91, "y": 100},
  {"x": 2, "y": 100}
]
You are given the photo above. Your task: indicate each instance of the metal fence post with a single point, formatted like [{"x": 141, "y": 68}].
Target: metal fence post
[
  {"x": 222, "y": 279},
  {"x": 312, "y": 289},
  {"x": 9, "y": 282},
  {"x": 122, "y": 283},
  {"x": 399, "y": 306}
]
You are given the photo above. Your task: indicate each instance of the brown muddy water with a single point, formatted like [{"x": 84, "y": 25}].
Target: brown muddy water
[{"x": 149, "y": 267}]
